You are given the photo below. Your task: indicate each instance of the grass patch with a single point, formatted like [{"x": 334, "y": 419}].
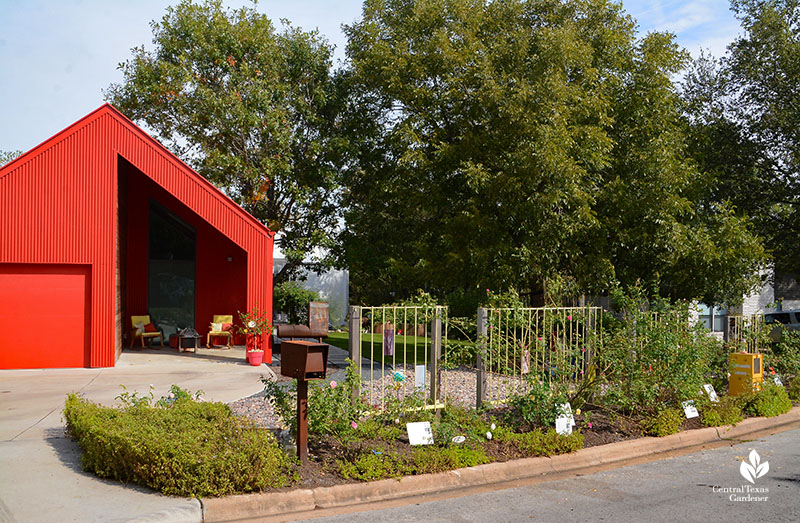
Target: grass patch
[{"x": 407, "y": 349}]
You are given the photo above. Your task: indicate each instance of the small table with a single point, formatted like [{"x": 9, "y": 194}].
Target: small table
[{"x": 188, "y": 343}]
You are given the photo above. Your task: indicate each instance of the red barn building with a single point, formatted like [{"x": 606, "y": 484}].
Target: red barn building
[{"x": 101, "y": 222}]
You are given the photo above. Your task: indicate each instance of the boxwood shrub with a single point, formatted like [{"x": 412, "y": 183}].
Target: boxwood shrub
[{"x": 187, "y": 448}]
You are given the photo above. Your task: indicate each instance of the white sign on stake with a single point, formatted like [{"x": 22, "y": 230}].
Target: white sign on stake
[
  {"x": 419, "y": 377},
  {"x": 712, "y": 394},
  {"x": 420, "y": 433},
  {"x": 689, "y": 409},
  {"x": 565, "y": 421}
]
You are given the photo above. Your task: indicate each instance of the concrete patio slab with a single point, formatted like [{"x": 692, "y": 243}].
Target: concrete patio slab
[{"x": 40, "y": 472}]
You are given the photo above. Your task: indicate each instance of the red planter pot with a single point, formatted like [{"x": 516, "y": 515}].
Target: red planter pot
[{"x": 255, "y": 358}]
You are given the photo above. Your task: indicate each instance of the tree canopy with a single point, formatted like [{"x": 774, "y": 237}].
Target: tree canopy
[
  {"x": 475, "y": 144},
  {"x": 251, "y": 108},
  {"x": 7, "y": 156},
  {"x": 744, "y": 116},
  {"x": 507, "y": 142}
]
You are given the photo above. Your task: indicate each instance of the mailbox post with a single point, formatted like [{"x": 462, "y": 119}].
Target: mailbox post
[{"x": 304, "y": 361}]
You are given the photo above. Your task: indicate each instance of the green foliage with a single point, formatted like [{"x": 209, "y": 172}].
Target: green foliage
[
  {"x": 539, "y": 443},
  {"x": 177, "y": 395},
  {"x": 293, "y": 299},
  {"x": 783, "y": 356},
  {"x": 7, "y": 156},
  {"x": 663, "y": 423},
  {"x": 378, "y": 429},
  {"x": 727, "y": 411},
  {"x": 187, "y": 449},
  {"x": 650, "y": 359},
  {"x": 375, "y": 466},
  {"x": 540, "y": 406},
  {"x": 793, "y": 390},
  {"x": 428, "y": 460},
  {"x": 460, "y": 421},
  {"x": 252, "y": 109},
  {"x": 771, "y": 400},
  {"x": 330, "y": 409},
  {"x": 255, "y": 322},
  {"x": 515, "y": 134},
  {"x": 743, "y": 119}
]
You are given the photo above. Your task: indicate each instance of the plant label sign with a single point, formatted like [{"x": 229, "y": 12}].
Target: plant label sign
[
  {"x": 565, "y": 421},
  {"x": 777, "y": 380},
  {"x": 388, "y": 340},
  {"x": 419, "y": 377},
  {"x": 689, "y": 409},
  {"x": 420, "y": 433},
  {"x": 712, "y": 394}
]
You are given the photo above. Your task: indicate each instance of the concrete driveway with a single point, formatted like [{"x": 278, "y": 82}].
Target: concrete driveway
[{"x": 40, "y": 471}]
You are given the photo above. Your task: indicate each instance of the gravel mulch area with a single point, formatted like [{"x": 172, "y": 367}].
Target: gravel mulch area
[{"x": 460, "y": 389}]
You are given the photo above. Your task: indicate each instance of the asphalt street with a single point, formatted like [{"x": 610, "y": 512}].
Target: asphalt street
[{"x": 704, "y": 486}]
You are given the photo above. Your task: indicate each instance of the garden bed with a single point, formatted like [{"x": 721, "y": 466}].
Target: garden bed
[{"x": 606, "y": 427}]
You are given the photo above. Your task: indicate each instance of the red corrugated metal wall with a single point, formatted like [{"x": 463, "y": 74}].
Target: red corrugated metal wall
[{"x": 58, "y": 206}]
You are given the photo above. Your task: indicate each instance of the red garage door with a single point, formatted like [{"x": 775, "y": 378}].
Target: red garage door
[{"x": 44, "y": 316}]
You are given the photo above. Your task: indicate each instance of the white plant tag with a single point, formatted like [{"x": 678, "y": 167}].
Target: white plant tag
[
  {"x": 565, "y": 421},
  {"x": 420, "y": 433},
  {"x": 712, "y": 394},
  {"x": 419, "y": 377},
  {"x": 563, "y": 426},
  {"x": 689, "y": 409}
]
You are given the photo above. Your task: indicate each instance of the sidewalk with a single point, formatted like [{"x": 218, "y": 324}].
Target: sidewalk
[{"x": 40, "y": 471}]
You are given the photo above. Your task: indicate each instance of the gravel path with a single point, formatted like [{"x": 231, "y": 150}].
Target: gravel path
[{"x": 460, "y": 386}]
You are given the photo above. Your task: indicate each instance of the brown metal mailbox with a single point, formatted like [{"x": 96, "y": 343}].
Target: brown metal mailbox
[{"x": 304, "y": 360}]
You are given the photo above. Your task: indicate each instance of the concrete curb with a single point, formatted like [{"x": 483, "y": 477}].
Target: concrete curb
[{"x": 303, "y": 500}]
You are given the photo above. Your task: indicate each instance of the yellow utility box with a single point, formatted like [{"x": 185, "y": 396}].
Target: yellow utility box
[{"x": 747, "y": 373}]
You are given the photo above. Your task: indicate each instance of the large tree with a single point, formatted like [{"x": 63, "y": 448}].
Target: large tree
[
  {"x": 500, "y": 143},
  {"x": 7, "y": 156},
  {"x": 744, "y": 116},
  {"x": 252, "y": 109}
]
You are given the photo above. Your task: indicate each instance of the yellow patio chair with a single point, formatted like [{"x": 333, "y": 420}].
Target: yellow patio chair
[
  {"x": 139, "y": 323},
  {"x": 216, "y": 330}
]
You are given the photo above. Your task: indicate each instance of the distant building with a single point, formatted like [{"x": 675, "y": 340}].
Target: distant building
[
  {"x": 333, "y": 287},
  {"x": 781, "y": 294}
]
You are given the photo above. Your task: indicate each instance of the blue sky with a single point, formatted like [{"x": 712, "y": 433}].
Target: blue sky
[{"x": 57, "y": 55}]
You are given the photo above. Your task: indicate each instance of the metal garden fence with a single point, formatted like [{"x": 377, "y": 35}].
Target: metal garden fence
[
  {"x": 552, "y": 344},
  {"x": 400, "y": 352},
  {"x": 747, "y": 333}
]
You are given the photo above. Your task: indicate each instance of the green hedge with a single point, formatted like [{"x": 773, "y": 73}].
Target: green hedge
[{"x": 187, "y": 449}]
